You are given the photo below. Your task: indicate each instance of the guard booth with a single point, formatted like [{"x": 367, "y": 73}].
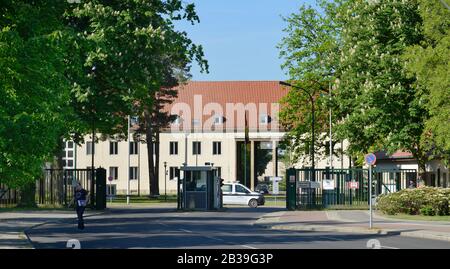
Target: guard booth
[{"x": 199, "y": 189}]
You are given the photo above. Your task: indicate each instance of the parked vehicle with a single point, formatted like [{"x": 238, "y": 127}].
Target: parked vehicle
[
  {"x": 234, "y": 193},
  {"x": 262, "y": 188}
]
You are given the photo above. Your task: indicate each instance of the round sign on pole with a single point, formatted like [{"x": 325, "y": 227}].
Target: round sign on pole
[
  {"x": 110, "y": 178},
  {"x": 371, "y": 159}
]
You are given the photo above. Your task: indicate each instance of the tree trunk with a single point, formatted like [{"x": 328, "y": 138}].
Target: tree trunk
[
  {"x": 157, "y": 161},
  {"x": 28, "y": 195},
  {"x": 421, "y": 159},
  {"x": 154, "y": 191}
]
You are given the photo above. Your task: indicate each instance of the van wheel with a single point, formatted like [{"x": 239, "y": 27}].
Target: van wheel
[{"x": 253, "y": 203}]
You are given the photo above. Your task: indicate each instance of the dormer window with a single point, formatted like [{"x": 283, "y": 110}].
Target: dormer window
[
  {"x": 218, "y": 119},
  {"x": 264, "y": 119},
  {"x": 177, "y": 120}
]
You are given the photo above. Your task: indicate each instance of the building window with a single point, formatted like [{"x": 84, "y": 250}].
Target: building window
[
  {"x": 70, "y": 153},
  {"x": 217, "y": 148},
  {"x": 113, "y": 148},
  {"x": 218, "y": 119},
  {"x": 174, "y": 173},
  {"x": 264, "y": 119},
  {"x": 114, "y": 172},
  {"x": 177, "y": 120},
  {"x": 134, "y": 171},
  {"x": 173, "y": 148},
  {"x": 70, "y": 145},
  {"x": 90, "y": 149},
  {"x": 133, "y": 148},
  {"x": 134, "y": 120},
  {"x": 219, "y": 172},
  {"x": 111, "y": 189},
  {"x": 196, "y": 148},
  {"x": 69, "y": 163}
]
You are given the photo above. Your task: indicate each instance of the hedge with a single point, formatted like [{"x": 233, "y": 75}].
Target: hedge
[{"x": 428, "y": 201}]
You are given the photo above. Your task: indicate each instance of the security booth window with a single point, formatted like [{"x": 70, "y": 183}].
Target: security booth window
[{"x": 196, "y": 182}]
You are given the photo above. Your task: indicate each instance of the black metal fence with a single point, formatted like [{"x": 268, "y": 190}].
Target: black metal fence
[
  {"x": 348, "y": 187},
  {"x": 55, "y": 187}
]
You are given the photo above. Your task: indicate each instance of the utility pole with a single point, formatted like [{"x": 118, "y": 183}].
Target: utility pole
[
  {"x": 331, "y": 134},
  {"x": 129, "y": 148}
]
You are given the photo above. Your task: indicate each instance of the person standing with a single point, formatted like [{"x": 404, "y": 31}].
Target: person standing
[{"x": 80, "y": 200}]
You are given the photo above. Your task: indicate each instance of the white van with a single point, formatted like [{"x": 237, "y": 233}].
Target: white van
[{"x": 234, "y": 193}]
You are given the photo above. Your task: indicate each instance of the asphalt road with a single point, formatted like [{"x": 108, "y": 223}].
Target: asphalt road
[{"x": 233, "y": 228}]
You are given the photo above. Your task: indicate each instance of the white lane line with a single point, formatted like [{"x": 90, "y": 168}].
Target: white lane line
[
  {"x": 388, "y": 247},
  {"x": 331, "y": 238},
  {"x": 163, "y": 224},
  {"x": 213, "y": 238},
  {"x": 250, "y": 247},
  {"x": 186, "y": 231}
]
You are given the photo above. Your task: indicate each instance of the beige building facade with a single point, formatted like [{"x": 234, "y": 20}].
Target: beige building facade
[{"x": 210, "y": 129}]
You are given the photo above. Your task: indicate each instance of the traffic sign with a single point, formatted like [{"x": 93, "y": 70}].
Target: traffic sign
[
  {"x": 110, "y": 178},
  {"x": 371, "y": 159}
]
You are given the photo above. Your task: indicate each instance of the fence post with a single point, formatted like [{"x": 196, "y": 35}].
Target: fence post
[
  {"x": 291, "y": 189},
  {"x": 100, "y": 189}
]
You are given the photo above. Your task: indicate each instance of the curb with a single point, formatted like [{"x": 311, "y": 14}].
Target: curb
[
  {"x": 315, "y": 228},
  {"x": 269, "y": 221}
]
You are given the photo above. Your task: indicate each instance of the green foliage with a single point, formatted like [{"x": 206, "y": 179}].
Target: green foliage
[
  {"x": 429, "y": 63},
  {"x": 33, "y": 88},
  {"x": 311, "y": 54},
  {"x": 129, "y": 50},
  {"x": 377, "y": 102},
  {"x": 426, "y": 201}
]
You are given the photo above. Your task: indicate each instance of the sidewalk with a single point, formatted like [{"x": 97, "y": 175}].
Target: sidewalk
[
  {"x": 353, "y": 221},
  {"x": 14, "y": 224}
]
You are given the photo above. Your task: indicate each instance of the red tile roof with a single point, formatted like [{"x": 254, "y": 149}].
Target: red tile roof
[
  {"x": 261, "y": 94},
  {"x": 396, "y": 155}
]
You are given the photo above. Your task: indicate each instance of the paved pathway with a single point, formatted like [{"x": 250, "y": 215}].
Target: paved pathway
[
  {"x": 234, "y": 228},
  {"x": 354, "y": 221}
]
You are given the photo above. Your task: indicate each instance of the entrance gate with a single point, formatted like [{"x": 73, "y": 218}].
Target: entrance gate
[
  {"x": 55, "y": 188},
  {"x": 342, "y": 187}
]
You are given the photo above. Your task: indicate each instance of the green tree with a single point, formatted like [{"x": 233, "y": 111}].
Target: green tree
[
  {"x": 429, "y": 63},
  {"x": 311, "y": 53},
  {"x": 378, "y": 104},
  {"x": 131, "y": 52},
  {"x": 34, "y": 90}
]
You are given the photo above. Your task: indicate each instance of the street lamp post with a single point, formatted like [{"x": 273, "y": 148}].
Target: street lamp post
[
  {"x": 312, "y": 125},
  {"x": 165, "y": 181}
]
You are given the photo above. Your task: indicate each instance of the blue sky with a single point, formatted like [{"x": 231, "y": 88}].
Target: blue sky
[{"x": 239, "y": 37}]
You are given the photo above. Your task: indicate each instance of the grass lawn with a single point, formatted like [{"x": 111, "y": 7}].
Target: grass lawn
[
  {"x": 417, "y": 217},
  {"x": 144, "y": 199},
  {"x": 40, "y": 208}
]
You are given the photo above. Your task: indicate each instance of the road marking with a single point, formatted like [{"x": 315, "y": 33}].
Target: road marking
[
  {"x": 388, "y": 247},
  {"x": 187, "y": 231},
  {"x": 163, "y": 224},
  {"x": 250, "y": 247},
  {"x": 217, "y": 239},
  {"x": 332, "y": 238}
]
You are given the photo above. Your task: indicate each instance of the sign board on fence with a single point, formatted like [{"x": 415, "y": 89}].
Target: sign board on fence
[
  {"x": 292, "y": 179},
  {"x": 276, "y": 179},
  {"x": 275, "y": 187},
  {"x": 308, "y": 185},
  {"x": 353, "y": 185},
  {"x": 328, "y": 184}
]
